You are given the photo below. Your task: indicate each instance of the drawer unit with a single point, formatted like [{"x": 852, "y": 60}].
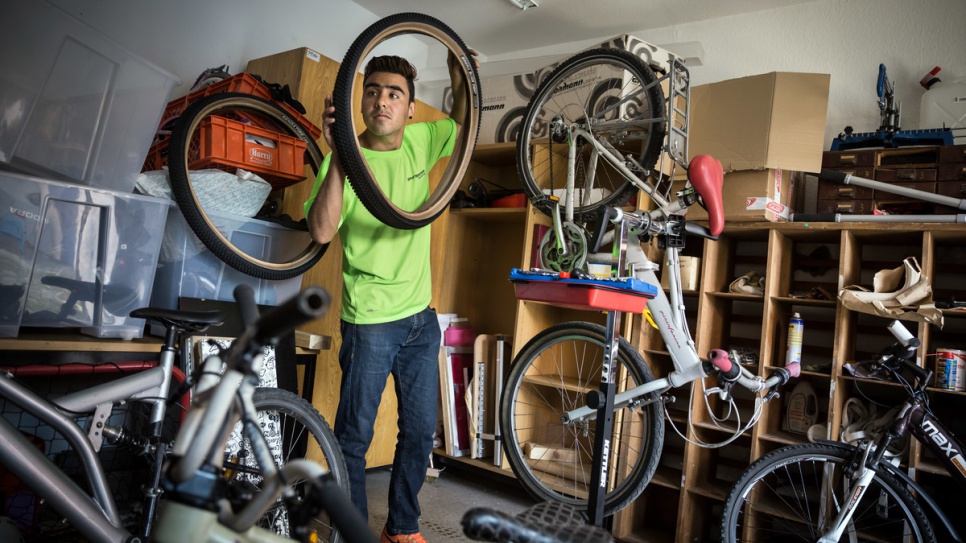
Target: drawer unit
[
  {"x": 838, "y": 160},
  {"x": 898, "y": 175}
]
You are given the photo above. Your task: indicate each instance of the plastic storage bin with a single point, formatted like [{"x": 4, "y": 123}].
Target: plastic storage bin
[
  {"x": 73, "y": 256},
  {"x": 76, "y": 106},
  {"x": 187, "y": 269}
]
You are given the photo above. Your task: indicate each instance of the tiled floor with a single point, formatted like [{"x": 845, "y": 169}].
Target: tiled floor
[{"x": 444, "y": 501}]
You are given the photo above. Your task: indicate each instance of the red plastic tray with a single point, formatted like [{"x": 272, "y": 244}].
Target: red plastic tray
[{"x": 585, "y": 297}]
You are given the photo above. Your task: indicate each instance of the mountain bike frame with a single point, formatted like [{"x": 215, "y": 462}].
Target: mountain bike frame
[
  {"x": 94, "y": 515},
  {"x": 913, "y": 417}
]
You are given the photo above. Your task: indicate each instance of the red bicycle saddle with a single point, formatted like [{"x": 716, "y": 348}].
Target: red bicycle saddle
[{"x": 707, "y": 177}]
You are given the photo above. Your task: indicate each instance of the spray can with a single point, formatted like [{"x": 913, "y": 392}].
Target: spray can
[{"x": 796, "y": 328}]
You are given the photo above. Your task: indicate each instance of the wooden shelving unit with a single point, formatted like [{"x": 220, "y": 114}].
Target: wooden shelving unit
[{"x": 685, "y": 498}]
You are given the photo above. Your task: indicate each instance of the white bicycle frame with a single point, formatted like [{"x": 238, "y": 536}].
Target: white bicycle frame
[{"x": 669, "y": 317}]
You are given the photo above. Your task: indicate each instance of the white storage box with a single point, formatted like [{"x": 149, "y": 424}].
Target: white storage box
[
  {"x": 73, "y": 256},
  {"x": 187, "y": 269},
  {"x": 76, "y": 106}
]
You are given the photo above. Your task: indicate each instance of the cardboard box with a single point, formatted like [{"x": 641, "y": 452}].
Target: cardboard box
[
  {"x": 690, "y": 271},
  {"x": 505, "y": 100},
  {"x": 774, "y": 120},
  {"x": 505, "y": 97},
  {"x": 754, "y": 195}
]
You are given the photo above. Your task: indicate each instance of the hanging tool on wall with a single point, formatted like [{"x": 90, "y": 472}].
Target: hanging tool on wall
[{"x": 889, "y": 133}]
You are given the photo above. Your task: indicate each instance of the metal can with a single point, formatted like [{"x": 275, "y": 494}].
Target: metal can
[{"x": 951, "y": 369}]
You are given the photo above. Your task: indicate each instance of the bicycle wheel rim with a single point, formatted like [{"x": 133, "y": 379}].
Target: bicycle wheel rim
[
  {"x": 553, "y": 460},
  {"x": 628, "y": 113},
  {"x": 292, "y": 423},
  {"x": 297, "y": 257},
  {"x": 349, "y": 117},
  {"x": 780, "y": 498}
]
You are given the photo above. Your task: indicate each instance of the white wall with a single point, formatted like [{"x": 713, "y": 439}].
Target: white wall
[{"x": 846, "y": 38}]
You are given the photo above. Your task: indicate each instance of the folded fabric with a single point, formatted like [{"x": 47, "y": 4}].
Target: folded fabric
[
  {"x": 900, "y": 293},
  {"x": 750, "y": 283}
]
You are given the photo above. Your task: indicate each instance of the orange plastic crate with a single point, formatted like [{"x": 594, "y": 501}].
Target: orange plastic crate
[
  {"x": 243, "y": 83},
  {"x": 222, "y": 143}
]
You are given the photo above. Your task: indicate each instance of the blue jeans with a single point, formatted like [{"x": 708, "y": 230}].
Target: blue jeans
[{"x": 409, "y": 350}]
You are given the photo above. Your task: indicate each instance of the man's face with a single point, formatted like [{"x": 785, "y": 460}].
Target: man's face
[{"x": 385, "y": 103}]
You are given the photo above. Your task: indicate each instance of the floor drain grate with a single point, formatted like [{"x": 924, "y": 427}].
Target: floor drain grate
[{"x": 455, "y": 533}]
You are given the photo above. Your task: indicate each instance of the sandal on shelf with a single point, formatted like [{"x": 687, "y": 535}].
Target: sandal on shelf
[
  {"x": 815, "y": 293},
  {"x": 750, "y": 283}
]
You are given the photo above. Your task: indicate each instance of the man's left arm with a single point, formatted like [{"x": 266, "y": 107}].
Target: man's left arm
[{"x": 458, "y": 113}]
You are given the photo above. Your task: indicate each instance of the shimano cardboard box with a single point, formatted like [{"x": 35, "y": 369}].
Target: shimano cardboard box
[
  {"x": 505, "y": 99},
  {"x": 769, "y": 121}
]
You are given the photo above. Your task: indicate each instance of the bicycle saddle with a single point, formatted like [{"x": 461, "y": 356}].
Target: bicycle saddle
[
  {"x": 707, "y": 177},
  {"x": 546, "y": 522},
  {"x": 193, "y": 321}
]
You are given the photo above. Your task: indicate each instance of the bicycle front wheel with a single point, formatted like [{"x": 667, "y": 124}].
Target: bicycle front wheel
[
  {"x": 349, "y": 118},
  {"x": 293, "y": 251},
  {"x": 553, "y": 374},
  {"x": 294, "y": 429},
  {"x": 613, "y": 95},
  {"x": 794, "y": 493}
]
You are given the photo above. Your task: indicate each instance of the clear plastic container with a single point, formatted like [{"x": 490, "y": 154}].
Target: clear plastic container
[
  {"x": 186, "y": 268},
  {"x": 73, "y": 256},
  {"x": 76, "y": 106}
]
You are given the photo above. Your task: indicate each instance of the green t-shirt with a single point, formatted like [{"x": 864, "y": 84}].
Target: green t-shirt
[{"x": 386, "y": 271}]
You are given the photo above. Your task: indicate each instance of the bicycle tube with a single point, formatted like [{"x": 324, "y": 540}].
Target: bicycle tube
[
  {"x": 552, "y": 374},
  {"x": 294, "y": 429},
  {"x": 349, "y": 115},
  {"x": 782, "y": 496},
  {"x": 181, "y": 148},
  {"x": 614, "y": 95}
]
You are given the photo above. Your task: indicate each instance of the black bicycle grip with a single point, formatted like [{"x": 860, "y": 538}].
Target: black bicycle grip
[
  {"x": 308, "y": 305},
  {"x": 834, "y": 175},
  {"x": 247, "y": 307},
  {"x": 814, "y": 217},
  {"x": 347, "y": 519},
  {"x": 698, "y": 230}
]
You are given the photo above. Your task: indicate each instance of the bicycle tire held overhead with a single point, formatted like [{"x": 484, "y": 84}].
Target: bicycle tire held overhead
[{"x": 348, "y": 116}]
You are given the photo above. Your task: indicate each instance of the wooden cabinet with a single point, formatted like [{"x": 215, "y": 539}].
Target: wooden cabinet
[{"x": 311, "y": 77}]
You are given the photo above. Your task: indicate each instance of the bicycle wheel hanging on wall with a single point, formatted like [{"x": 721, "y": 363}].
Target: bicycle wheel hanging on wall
[
  {"x": 235, "y": 114},
  {"x": 348, "y": 112},
  {"x": 612, "y": 94}
]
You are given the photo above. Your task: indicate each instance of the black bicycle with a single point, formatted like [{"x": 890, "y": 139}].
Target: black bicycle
[{"x": 831, "y": 491}]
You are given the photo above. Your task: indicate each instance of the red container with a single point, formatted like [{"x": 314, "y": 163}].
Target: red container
[
  {"x": 243, "y": 83},
  {"x": 514, "y": 200},
  {"x": 222, "y": 143},
  {"x": 584, "y": 297}
]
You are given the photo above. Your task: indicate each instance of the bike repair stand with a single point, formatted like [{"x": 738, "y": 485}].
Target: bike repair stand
[{"x": 603, "y": 400}]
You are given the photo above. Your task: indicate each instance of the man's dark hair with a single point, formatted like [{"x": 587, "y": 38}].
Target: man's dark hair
[{"x": 394, "y": 65}]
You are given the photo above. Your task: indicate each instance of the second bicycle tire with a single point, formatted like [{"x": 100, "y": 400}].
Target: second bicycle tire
[{"x": 186, "y": 128}]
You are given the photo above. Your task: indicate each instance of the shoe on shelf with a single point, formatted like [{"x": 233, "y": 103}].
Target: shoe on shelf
[
  {"x": 750, "y": 283},
  {"x": 401, "y": 538}
]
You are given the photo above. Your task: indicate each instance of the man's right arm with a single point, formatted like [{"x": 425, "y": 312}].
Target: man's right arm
[
  {"x": 326, "y": 210},
  {"x": 323, "y": 217}
]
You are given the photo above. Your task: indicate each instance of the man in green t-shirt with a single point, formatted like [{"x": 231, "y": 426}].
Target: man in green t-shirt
[{"x": 387, "y": 325}]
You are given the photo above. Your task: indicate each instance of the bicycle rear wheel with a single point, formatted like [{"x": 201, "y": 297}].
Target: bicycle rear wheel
[
  {"x": 614, "y": 95},
  {"x": 553, "y": 374},
  {"x": 349, "y": 119},
  {"x": 793, "y": 493},
  {"x": 294, "y": 429},
  {"x": 289, "y": 257}
]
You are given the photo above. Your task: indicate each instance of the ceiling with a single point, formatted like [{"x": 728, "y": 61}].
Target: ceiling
[{"x": 502, "y": 32}]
